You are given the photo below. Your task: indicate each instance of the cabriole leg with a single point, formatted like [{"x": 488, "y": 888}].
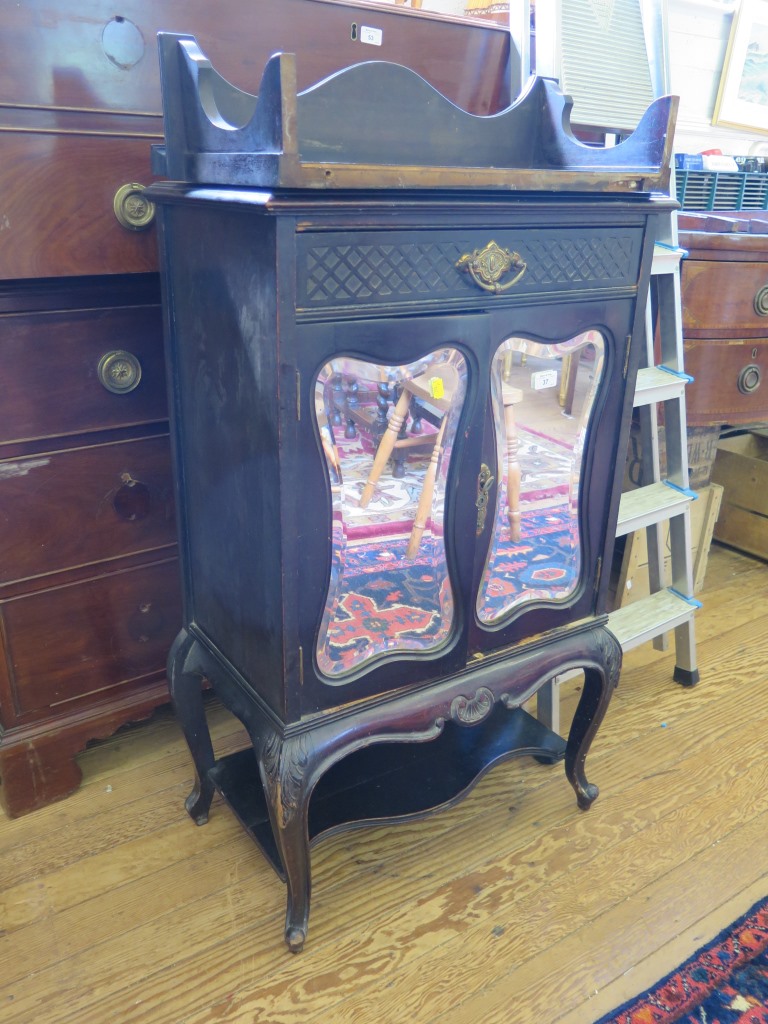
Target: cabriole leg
[
  {"x": 599, "y": 684},
  {"x": 186, "y": 685},
  {"x": 287, "y": 774}
]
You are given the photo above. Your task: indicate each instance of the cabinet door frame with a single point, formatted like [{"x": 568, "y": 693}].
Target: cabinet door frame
[{"x": 392, "y": 341}]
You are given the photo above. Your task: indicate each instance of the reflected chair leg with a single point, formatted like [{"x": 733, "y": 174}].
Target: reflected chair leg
[
  {"x": 186, "y": 686},
  {"x": 599, "y": 684},
  {"x": 426, "y": 496},
  {"x": 386, "y": 446},
  {"x": 568, "y": 390},
  {"x": 513, "y": 473}
]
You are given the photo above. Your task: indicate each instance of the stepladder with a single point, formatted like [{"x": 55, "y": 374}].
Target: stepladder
[{"x": 661, "y": 503}]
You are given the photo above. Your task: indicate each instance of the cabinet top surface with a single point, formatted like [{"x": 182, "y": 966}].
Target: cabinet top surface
[{"x": 380, "y": 125}]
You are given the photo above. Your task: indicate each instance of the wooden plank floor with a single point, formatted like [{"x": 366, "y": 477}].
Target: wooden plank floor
[{"x": 514, "y": 907}]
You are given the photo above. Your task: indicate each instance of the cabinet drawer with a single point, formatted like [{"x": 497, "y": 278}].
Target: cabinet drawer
[
  {"x": 71, "y": 508},
  {"x": 50, "y": 371},
  {"x": 725, "y": 299},
  {"x": 91, "y": 637},
  {"x": 730, "y": 380},
  {"x": 58, "y": 216},
  {"x": 337, "y": 270}
]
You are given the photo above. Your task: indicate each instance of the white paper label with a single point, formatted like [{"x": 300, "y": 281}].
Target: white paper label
[
  {"x": 372, "y": 36},
  {"x": 544, "y": 379}
]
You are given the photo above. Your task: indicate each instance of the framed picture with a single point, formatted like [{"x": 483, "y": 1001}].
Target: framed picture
[{"x": 742, "y": 99}]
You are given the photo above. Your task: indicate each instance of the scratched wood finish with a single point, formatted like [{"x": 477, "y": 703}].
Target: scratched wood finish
[{"x": 115, "y": 907}]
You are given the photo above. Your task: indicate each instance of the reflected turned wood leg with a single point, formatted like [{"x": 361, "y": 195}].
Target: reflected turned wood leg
[
  {"x": 426, "y": 496},
  {"x": 286, "y": 767},
  {"x": 186, "y": 686},
  {"x": 386, "y": 446},
  {"x": 600, "y": 680},
  {"x": 510, "y": 397}
]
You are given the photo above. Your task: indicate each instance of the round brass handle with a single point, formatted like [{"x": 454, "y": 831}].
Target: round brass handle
[
  {"x": 749, "y": 379},
  {"x": 761, "y": 301},
  {"x": 132, "y": 209},
  {"x": 487, "y": 266},
  {"x": 119, "y": 371}
]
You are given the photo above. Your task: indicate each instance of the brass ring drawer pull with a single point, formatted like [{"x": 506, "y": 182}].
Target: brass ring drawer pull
[
  {"x": 132, "y": 209},
  {"x": 761, "y": 301},
  {"x": 119, "y": 371},
  {"x": 487, "y": 266},
  {"x": 749, "y": 379}
]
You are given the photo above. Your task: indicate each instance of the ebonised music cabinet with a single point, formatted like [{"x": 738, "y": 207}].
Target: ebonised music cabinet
[{"x": 390, "y": 536}]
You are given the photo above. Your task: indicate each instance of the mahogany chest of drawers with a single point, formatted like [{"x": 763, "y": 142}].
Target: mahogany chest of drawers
[
  {"x": 725, "y": 325},
  {"x": 89, "y": 591}
]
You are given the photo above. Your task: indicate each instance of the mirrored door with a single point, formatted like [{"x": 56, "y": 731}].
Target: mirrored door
[
  {"x": 387, "y": 433},
  {"x": 543, "y": 397}
]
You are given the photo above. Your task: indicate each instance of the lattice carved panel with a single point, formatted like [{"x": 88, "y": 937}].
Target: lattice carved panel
[{"x": 368, "y": 273}]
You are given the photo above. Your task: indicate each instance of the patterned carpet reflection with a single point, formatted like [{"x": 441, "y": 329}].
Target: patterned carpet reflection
[{"x": 389, "y": 602}]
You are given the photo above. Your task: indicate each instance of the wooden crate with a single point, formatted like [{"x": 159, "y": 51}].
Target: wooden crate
[
  {"x": 741, "y": 467},
  {"x": 630, "y": 577}
]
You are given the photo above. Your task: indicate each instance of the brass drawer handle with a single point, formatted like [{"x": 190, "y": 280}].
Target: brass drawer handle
[
  {"x": 487, "y": 266},
  {"x": 119, "y": 371},
  {"x": 749, "y": 379},
  {"x": 132, "y": 209},
  {"x": 761, "y": 301}
]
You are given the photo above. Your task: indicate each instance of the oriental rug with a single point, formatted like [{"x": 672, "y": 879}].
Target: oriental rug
[{"x": 725, "y": 982}]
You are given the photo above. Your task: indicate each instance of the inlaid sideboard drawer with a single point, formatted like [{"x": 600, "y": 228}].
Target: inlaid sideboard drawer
[
  {"x": 730, "y": 380},
  {"x": 338, "y": 270},
  {"x": 89, "y": 638},
  {"x": 72, "y": 508},
  {"x": 58, "y": 214},
  {"x": 728, "y": 299},
  {"x": 79, "y": 371}
]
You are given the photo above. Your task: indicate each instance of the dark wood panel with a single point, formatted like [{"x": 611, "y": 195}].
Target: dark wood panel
[
  {"x": 73, "y": 641},
  {"x": 58, "y": 216},
  {"x": 719, "y": 298},
  {"x": 717, "y": 365},
  {"x": 85, "y": 57},
  {"x": 69, "y": 508},
  {"x": 50, "y": 364}
]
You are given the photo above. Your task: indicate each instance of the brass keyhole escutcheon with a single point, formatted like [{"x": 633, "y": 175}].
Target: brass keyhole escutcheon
[
  {"x": 132, "y": 209},
  {"x": 484, "y": 484},
  {"x": 119, "y": 371}
]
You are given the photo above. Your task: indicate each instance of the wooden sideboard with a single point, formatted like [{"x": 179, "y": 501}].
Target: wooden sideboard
[
  {"x": 725, "y": 323},
  {"x": 89, "y": 591}
]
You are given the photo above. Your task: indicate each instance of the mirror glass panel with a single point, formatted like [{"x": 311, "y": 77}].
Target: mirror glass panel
[
  {"x": 387, "y": 435},
  {"x": 543, "y": 397}
]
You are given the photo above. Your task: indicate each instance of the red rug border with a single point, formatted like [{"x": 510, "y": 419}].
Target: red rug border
[{"x": 623, "y": 1014}]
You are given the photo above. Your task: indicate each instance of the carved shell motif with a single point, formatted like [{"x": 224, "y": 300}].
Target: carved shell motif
[{"x": 471, "y": 710}]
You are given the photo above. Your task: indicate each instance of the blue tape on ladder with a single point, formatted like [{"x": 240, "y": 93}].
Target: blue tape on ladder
[
  {"x": 683, "y": 490},
  {"x": 688, "y": 600},
  {"x": 677, "y": 373},
  {"x": 672, "y": 248}
]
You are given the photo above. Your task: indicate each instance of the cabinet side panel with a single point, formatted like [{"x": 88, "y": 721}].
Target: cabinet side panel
[{"x": 225, "y": 408}]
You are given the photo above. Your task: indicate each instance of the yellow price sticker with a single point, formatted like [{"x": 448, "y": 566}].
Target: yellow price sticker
[{"x": 437, "y": 387}]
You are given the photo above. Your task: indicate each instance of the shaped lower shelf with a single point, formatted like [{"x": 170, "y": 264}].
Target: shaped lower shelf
[{"x": 389, "y": 781}]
